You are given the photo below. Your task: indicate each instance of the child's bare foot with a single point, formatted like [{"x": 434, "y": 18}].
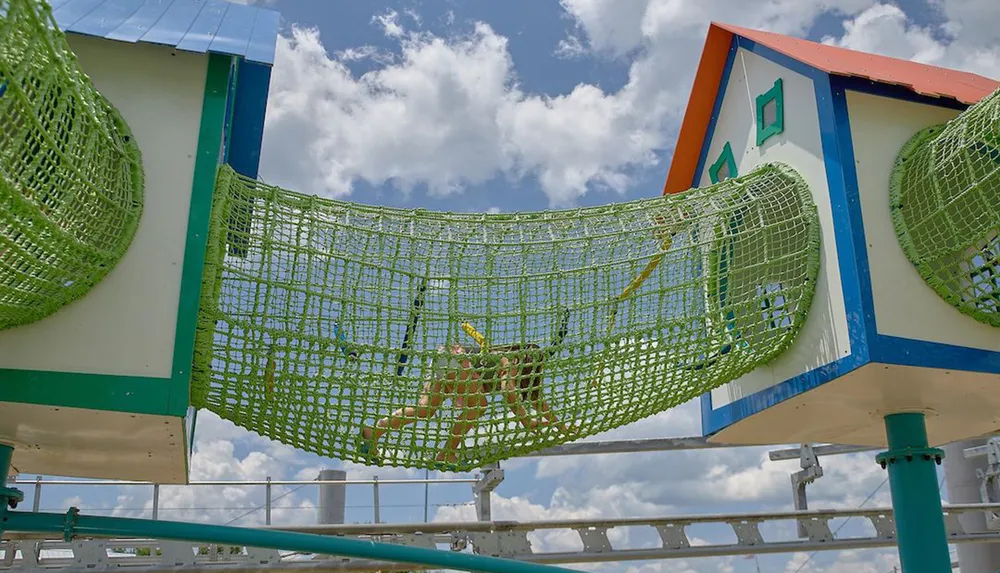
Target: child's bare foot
[{"x": 366, "y": 446}]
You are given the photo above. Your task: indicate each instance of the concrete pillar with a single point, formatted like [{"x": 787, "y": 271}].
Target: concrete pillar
[
  {"x": 963, "y": 487},
  {"x": 332, "y": 498}
]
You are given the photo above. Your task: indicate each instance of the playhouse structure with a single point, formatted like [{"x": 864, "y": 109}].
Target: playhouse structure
[
  {"x": 100, "y": 388},
  {"x": 878, "y": 339},
  {"x": 823, "y": 266}
]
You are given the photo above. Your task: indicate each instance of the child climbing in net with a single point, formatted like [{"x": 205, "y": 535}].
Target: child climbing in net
[{"x": 467, "y": 376}]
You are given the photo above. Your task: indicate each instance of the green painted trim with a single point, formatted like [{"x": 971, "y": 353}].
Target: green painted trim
[
  {"x": 725, "y": 159},
  {"x": 133, "y": 394},
  {"x": 210, "y": 139},
  {"x": 143, "y": 394},
  {"x": 775, "y": 94}
]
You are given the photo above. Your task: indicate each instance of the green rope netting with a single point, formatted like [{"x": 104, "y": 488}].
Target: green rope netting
[
  {"x": 945, "y": 193},
  {"x": 71, "y": 180},
  {"x": 337, "y": 327}
]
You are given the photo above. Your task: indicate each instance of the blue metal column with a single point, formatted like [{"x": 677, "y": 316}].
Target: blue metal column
[{"x": 916, "y": 498}]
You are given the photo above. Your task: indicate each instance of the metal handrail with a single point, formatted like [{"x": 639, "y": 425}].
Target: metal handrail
[{"x": 247, "y": 482}]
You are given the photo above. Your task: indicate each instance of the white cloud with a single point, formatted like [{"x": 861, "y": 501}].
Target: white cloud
[
  {"x": 970, "y": 44},
  {"x": 448, "y": 112}
]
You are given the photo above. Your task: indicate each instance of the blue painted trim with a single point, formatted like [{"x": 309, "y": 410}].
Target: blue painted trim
[
  {"x": 248, "y": 117},
  {"x": 716, "y": 109},
  {"x": 244, "y": 151},
  {"x": 867, "y": 345},
  {"x": 779, "y": 58},
  {"x": 910, "y": 352},
  {"x": 884, "y": 348},
  {"x": 895, "y": 92},
  {"x": 715, "y": 419},
  {"x": 842, "y": 177}
]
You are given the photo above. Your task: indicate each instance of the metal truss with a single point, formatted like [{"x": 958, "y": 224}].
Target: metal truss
[{"x": 31, "y": 554}]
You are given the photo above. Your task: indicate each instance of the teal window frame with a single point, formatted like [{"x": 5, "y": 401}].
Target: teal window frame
[
  {"x": 725, "y": 159},
  {"x": 776, "y": 95}
]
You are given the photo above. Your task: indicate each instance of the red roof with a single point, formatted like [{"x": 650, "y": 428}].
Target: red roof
[{"x": 923, "y": 79}]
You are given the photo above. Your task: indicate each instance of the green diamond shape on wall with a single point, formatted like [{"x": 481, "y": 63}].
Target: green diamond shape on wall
[
  {"x": 724, "y": 167},
  {"x": 770, "y": 112}
]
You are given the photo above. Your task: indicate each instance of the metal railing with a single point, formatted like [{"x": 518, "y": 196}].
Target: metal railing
[{"x": 268, "y": 484}]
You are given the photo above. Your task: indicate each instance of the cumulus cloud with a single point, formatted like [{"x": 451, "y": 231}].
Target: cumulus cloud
[
  {"x": 445, "y": 113},
  {"x": 963, "y": 41},
  {"x": 449, "y": 112}
]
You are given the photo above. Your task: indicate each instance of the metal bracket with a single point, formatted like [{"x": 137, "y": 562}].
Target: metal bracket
[
  {"x": 595, "y": 539},
  {"x": 810, "y": 472},
  {"x": 488, "y": 481},
  {"x": 989, "y": 488},
  {"x": 11, "y": 496}
]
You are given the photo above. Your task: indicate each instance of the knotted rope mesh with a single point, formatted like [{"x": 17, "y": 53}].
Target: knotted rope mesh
[
  {"x": 71, "y": 180},
  {"x": 945, "y": 193},
  {"x": 331, "y": 326}
]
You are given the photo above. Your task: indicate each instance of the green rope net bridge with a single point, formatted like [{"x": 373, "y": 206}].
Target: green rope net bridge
[
  {"x": 71, "y": 180},
  {"x": 330, "y": 325},
  {"x": 945, "y": 193},
  {"x": 413, "y": 338}
]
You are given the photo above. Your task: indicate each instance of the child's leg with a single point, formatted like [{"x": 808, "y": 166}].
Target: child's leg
[
  {"x": 550, "y": 418},
  {"x": 474, "y": 406},
  {"x": 428, "y": 403},
  {"x": 512, "y": 393}
]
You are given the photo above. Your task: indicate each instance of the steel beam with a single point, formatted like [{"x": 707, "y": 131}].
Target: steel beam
[
  {"x": 500, "y": 539},
  {"x": 826, "y": 450},
  {"x": 629, "y": 447}
]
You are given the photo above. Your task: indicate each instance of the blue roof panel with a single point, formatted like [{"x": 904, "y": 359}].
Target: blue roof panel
[
  {"x": 170, "y": 29},
  {"x": 264, "y": 38},
  {"x": 54, "y": 4},
  {"x": 202, "y": 31},
  {"x": 228, "y": 38},
  {"x": 73, "y": 11},
  {"x": 200, "y": 26},
  {"x": 140, "y": 22},
  {"x": 104, "y": 21}
]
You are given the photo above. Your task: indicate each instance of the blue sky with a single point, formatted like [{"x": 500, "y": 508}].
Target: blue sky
[{"x": 525, "y": 105}]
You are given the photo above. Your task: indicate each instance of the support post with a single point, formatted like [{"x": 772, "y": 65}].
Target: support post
[
  {"x": 427, "y": 493},
  {"x": 156, "y": 501},
  {"x": 376, "y": 512},
  {"x": 37, "y": 504},
  {"x": 332, "y": 497},
  {"x": 267, "y": 502},
  {"x": 916, "y": 499}
]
